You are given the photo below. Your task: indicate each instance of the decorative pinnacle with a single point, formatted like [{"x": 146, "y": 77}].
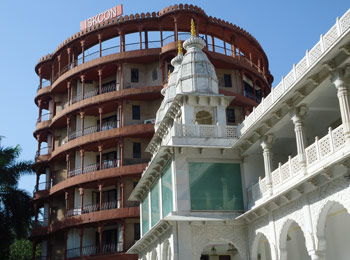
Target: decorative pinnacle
[
  {"x": 193, "y": 29},
  {"x": 169, "y": 74},
  {"x": 179, "y": 48}
]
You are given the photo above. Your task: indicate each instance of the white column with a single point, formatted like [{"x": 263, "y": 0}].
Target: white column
[
  {"x": 317, "y": 256},
  {"x": 266, "y": 144},
  {"x": 297, "y": 117},
  {"x": 340, "y": 79}
]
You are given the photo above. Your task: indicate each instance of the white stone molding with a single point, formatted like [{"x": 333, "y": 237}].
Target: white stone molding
[
  {"x": 341, "y": 80},
  {"x": 266, "y": 145},
  {"x": 297, "y": 116}
]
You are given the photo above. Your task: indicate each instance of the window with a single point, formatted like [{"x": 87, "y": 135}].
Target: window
[
  {"x": 154, "y": 75},
  {"x": 155, "y": 213},
  {"x": 136, "y": 150},
  {"x": 136, "y": 113},
  {"x": 204, "y": 118},
  {"x": 231, "y": 115},
  {"x": 134, "y": 75},
  {"x": 167, "y": 191},
  {"x": 136, "y": 231},
  {"x": 215, "y": 186},
  {"x": 228, "y": 81},
  {"x": 145, "y": 216}
]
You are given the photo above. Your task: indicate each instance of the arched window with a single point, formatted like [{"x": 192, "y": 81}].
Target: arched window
[{"x": 204, "y": 118}]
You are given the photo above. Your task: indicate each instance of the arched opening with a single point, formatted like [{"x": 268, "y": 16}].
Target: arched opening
[
  {"x": 335, "y": 229},
  {"x": 293, "y": 246},
  {"x": 220, "y": 252},
  {"x": 261, "y": 249},
  {"x": 204, "y": 118}
]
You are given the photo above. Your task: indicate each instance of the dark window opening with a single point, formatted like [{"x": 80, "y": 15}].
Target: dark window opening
[
  {"x": 231, "y": 115},
  {"x": 136, "y": 231},
  {"x": 258, "y": 95},
  {"x": 248, "y": 90},
  {"x": 134, "y": 75},
  {"x": 136, "y": 150},
  {"x": 154, "y": 75},
  {"x": 227, "y": 80},
  {"x": 171, "y": 68},
  {"x": 136, "y": 112}
]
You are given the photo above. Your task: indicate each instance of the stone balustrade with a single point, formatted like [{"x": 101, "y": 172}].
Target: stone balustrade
[{"x": 292, "y": 170}]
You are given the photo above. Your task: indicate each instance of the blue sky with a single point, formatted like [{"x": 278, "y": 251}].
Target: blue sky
[{"x": 31, "y": 29}]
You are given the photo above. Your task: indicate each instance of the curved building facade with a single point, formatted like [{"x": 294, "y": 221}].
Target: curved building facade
[{"x": 98, "y": 96}]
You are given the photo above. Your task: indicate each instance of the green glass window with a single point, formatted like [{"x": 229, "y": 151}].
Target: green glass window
[
  {"x": 215, "y": 186},
  {"x": 155, "y": 213},
  {"x": 145, "y": 216},
  {"x": 167, "y": 191}
]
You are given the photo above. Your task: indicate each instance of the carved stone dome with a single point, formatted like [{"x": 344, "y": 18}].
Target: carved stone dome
[
  {"x": 196, "y": 74},
  {"x": 169, "y": 92}
]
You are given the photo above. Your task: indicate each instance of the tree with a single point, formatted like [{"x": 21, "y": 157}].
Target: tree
[
  {"x": 16, "y": 206},
  {"x": 22, "y": 250}
]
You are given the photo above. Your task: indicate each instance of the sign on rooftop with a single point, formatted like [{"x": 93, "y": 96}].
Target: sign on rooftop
[{"x": 101, "y": 17}]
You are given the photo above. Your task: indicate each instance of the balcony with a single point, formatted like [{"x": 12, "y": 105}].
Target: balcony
[
  {"x": 95, "y": 92},
  {"x": 201, "y": 135},
  {"x": 318, "y": 155},
  {"x": 93, "y": 129},
  {"x": 93, "y": 208},
  {"x": 95, "y": 250}
]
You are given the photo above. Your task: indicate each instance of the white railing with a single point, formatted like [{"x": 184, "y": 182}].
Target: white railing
[
  {"x": 316, "y": 152},
  {"x": 287, "y": 83},
  {"x": 205, "y": 131}
]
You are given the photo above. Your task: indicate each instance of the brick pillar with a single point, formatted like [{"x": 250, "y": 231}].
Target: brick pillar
[
  {"x": 82, "y": 153},
  {"x": 100, "y": 80},
  {"x": 81, "y": 192},
  {"x": 100, "y": 150},
  {"x": 82, "y": 79},
  {"x": 69, "y": 91},
  {"x": 100, "y": 43},
  {"x": 100, "y": 189},
  {"x": 66, "y": 197},
  {"x": 82, "y": 116},
  {"x": 82, "y": 43}
]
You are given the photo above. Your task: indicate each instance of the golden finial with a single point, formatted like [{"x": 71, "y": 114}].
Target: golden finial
[
  {"x": 193, "y": 29},
  {"x": 179, "y": 48},
  {"x": 169, "y": 74}
]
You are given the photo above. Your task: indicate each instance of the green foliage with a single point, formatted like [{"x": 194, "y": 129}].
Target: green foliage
[
  {"x": 22, "y": 250},
  {"x": 16, "y": 207}
]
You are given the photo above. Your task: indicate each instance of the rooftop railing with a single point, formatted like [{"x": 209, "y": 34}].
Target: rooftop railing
[
  {"x": 137, "y": 46},
  {"x": 289, "y": 81}
]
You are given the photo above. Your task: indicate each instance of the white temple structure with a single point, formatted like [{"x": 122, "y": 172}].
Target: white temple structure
[{"x": 274, "y": 187}]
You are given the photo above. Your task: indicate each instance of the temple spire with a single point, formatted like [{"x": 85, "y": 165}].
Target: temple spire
[
  {"x": 193, "y": 29},
  {"x": 180, "y": 51}
]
